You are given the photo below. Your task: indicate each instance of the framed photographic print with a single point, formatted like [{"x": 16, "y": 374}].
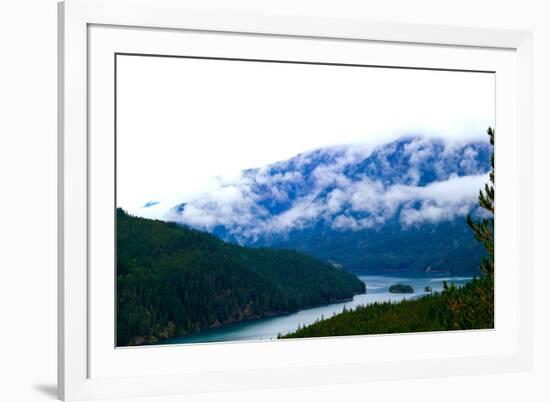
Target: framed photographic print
[{"x": 251, "y": 201}]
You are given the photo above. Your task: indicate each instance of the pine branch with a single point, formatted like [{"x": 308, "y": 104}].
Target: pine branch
[{"x": 484, "y": 228}]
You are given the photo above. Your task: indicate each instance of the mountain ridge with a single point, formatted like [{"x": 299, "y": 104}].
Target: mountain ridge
[{"x": 348, "y": 195}]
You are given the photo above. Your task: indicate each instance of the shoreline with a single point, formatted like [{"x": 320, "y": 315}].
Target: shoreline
[
  {"x": 247, "y": 320},
  {"x": 234, "y": 331}
]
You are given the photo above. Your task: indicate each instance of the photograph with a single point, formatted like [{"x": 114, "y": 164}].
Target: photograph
[{"x": 267, "y": 200}]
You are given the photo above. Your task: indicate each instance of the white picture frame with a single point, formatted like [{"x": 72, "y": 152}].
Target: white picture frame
[{"x": 79, "y": 332}]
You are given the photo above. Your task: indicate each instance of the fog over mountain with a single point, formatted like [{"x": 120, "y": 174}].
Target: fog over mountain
[
  {"x": 345, "y": 196},
  {"x": 413, "y": 179}
]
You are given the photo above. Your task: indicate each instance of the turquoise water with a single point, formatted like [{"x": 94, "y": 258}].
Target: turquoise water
[{"x": 269, "y": 328}]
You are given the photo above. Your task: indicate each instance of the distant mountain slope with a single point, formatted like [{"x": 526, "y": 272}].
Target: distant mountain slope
[
  {"x": 398, "y": 207},
  {"x": 447, "y": 247},
  {"x": 172, "y": 280}
]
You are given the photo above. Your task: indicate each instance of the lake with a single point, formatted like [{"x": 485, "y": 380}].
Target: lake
[{"x": 269, "y": 328}]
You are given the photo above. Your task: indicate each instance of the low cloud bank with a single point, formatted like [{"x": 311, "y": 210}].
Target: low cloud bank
[{"x": 325, "y": 186}]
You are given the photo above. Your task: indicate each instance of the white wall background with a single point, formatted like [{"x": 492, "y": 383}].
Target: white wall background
[{"x": 28, "y": 199}]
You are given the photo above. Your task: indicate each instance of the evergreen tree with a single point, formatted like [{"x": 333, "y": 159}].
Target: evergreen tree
[
  {"x": 478, "y": 305},
  {"x": 484, "y": 228}
]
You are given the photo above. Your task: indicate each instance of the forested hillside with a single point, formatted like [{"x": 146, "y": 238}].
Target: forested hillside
[
  {"x": 173, "y": 280},
  {"x": 468, "y": 307},
  {"x": 448, "y": 247}
]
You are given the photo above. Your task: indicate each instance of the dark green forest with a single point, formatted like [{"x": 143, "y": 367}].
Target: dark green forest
[
  {"x": 467, "y": 307},
  {"x": 390, "y": 249},
  {"x": 173, "y": 280}
]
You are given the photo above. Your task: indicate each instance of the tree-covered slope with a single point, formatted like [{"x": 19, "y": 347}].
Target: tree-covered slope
[
  {"x": 468, "y": 307},
  {"x": 173, "y": 280},
  {"x": 448, "y": 247}
]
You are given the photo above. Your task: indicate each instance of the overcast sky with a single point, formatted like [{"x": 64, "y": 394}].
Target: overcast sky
[{"x": 182, "y": 122}]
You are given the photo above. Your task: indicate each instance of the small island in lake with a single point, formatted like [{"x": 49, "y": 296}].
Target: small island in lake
[{"x": 400, "y": 288}]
